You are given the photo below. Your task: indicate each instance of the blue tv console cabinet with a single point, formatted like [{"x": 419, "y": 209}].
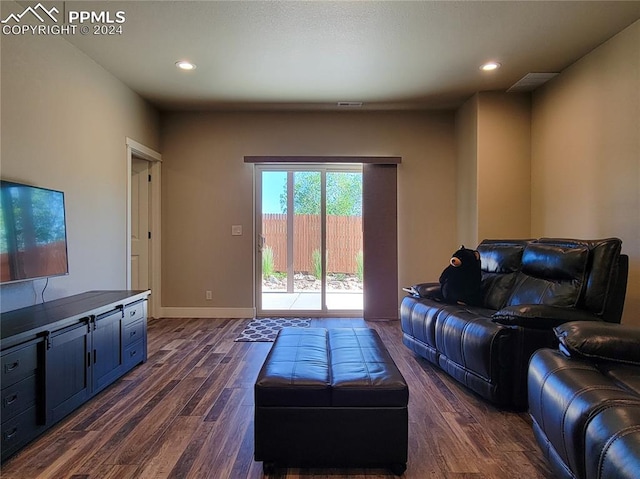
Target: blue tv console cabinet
[{"x": 59, "y": 354}]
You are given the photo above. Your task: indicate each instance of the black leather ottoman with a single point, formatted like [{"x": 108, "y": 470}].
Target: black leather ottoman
[{"x": 330, "y": 398}]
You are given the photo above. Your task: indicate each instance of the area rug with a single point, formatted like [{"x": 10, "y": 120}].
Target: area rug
[{"x": 266, "y": 329}]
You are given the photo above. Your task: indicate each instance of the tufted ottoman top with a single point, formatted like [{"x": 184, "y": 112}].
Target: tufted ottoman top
[{"x": 314, "y": 367}]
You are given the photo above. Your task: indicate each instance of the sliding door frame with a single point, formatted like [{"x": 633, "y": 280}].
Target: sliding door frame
[{"x": 323, "y": 168}]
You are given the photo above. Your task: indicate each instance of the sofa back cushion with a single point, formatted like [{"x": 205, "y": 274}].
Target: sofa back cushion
[
  {"x": 602, "y": 273},
  {"x": 500, "y": 263},
  {"x": 552, "y": 273}
]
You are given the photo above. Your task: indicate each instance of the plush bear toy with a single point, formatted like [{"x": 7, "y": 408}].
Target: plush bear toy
[{"x": 460, "y": 281}]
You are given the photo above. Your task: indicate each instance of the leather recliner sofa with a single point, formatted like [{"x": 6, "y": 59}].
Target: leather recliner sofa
[
  {"x": 528, "y": 288},
  {"x": 584, "y": 400}
]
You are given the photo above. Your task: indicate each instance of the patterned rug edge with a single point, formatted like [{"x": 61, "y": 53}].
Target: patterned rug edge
[{"x": 266, "y": 329}]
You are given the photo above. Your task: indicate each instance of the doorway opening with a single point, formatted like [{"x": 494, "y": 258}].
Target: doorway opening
[
  {"x": 140, "y": 225},
  {"x": 310, "y": 257},
  {"x": 143, "y": 259}
]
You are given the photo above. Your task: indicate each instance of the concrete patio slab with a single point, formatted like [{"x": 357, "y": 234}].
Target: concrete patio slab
[{"x": 311, "y": 301}]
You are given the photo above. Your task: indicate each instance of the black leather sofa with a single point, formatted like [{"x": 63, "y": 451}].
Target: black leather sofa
[
  {"x": 528, "y": 288},
  {"x": 584, "y": 400}
]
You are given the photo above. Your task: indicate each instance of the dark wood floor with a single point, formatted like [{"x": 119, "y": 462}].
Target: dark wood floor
[{"x": 188, "y": 413}]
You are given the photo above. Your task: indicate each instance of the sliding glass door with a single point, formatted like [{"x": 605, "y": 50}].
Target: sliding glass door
[{"x": 309, "y": 245}]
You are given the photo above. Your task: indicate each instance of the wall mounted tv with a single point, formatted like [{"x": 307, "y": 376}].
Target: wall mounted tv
[{"x": 33, "y": 233}]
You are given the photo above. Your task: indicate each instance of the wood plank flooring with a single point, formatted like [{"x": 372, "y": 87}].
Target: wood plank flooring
[{"x": 188, "y": 413}]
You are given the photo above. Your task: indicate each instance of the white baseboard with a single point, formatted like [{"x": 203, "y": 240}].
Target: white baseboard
[{"x": 178, "y": 312}]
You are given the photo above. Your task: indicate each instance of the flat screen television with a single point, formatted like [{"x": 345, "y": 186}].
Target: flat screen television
[{"x": 33, "y": 233}]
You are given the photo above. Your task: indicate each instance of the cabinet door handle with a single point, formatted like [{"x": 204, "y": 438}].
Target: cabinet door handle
[
  {"x": 132, "y": 313},
  {"x": 8, "y": 401},
  {"x": 132, "y": 353},
  {"x": 9, "y": 434},
  {"x": 132, "y": 334},
  {"x": 10, "y": 367}
]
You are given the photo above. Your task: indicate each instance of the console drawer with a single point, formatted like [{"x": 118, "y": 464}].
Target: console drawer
[
  {"x": 133, "y": 354},
  {"x": 18, "y": 431},
  {"x": 134, "y": 312},
  {"x": 19, "y": 364},
  {"x": 133, "y": 332},
  {"x": 18, "y": 397}
]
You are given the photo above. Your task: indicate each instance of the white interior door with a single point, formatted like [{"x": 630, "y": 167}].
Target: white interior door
[{"x": 139, "y": 224}]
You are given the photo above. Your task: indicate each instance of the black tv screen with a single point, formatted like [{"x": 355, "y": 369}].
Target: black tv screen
[{"x": 33, "y": 233}]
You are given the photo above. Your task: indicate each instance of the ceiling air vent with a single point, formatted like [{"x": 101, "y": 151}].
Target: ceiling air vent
[
  {"x": 530, "y": 82},
  {"x": 349, "y": 104}
]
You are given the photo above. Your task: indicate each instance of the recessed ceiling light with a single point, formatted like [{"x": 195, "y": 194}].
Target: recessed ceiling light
[
  {"x": 490, "y": 66},
  {"x": 185, "y": 65}
]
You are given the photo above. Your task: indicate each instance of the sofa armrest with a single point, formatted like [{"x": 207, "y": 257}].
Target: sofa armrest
[
  {"x": 539, "y": 316},
  {"x": 600, "y": 341},
  {"x": 425, "y": 290}
]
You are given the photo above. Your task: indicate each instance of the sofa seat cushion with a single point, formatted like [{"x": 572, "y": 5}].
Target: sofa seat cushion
[
  {"x": 624, "y": 376},
  {"x": 540, "y": 316}
]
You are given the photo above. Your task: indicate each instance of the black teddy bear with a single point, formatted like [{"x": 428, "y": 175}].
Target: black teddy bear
[{"x": 460, "y": 281}]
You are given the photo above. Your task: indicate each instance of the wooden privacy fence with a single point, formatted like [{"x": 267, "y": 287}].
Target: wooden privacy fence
[{"x": 344, "y": 241}]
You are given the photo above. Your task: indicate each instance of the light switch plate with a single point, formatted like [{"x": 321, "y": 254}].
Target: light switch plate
[{"x": 236, "y": 230}]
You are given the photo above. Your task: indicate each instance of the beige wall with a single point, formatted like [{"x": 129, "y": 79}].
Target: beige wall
[
  {"x": 467, "y": 172},
  {"x": 64, "y": 124},
  {"x": 494, "y": 168},
  {"x": 65, "y": 119},
  {"x": 586, "y": 153},
  {"x": 504, "y": 165},
  {"x": 207, "y": 188}
]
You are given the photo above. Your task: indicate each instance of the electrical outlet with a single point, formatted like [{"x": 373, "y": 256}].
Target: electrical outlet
[
  {"x": 236, "y": 230},
  {"x": 209, "y": 295}
]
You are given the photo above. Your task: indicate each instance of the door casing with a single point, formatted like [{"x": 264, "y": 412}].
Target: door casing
[{"x": 135, "y": 149}]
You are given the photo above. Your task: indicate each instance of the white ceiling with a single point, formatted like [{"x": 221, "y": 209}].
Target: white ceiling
[{"x": 310, "y": 55}]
